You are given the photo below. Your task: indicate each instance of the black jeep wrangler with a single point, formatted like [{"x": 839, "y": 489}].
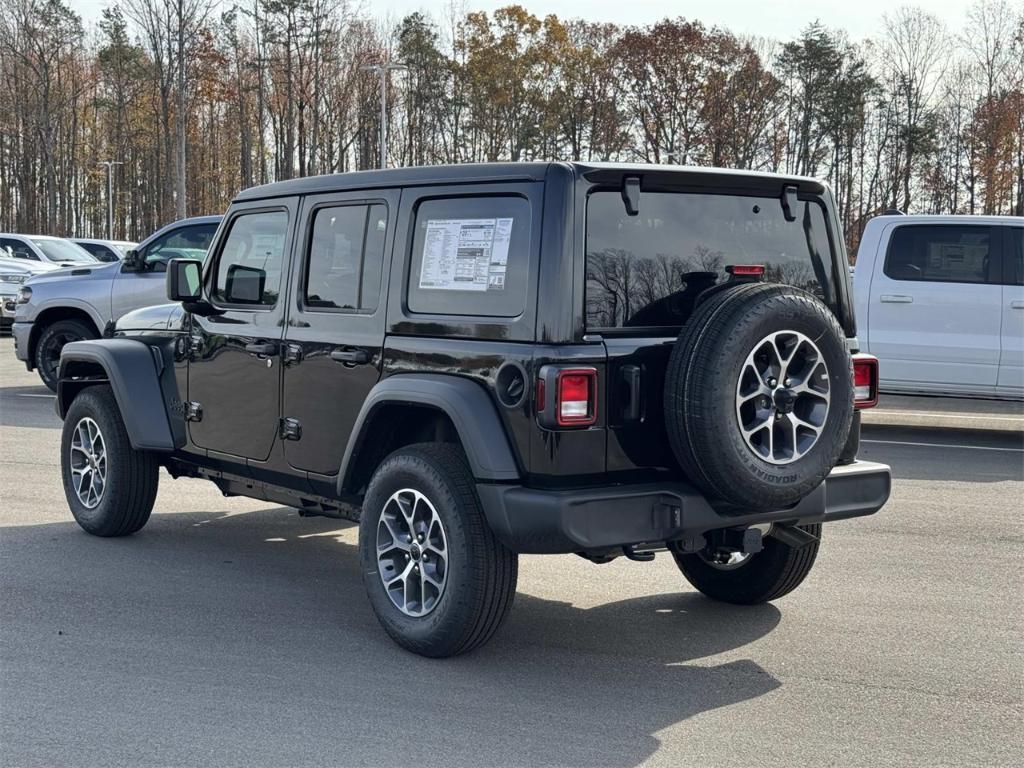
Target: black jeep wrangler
[{"x": 484, "y": 360}]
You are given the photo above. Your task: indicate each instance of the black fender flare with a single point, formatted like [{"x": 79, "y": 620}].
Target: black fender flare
[
  {"x": 464, "y": 401},
  {"x": 131, "y": 368}
]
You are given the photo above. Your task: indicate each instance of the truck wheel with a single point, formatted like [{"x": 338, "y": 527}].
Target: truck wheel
[
  {"x": 759, "y": 395},
  {"x": 52, "y": 341},
  {"x": 775, "y": 571},
  {"x": 110, "y": 486},
  {"x": 438, "y": 580}
]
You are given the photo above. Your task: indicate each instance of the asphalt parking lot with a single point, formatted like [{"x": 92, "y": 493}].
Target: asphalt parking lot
[{"x": 233, "y": 632}]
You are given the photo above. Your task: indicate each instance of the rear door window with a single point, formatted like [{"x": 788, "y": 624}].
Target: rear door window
[
  {"x": 648, "y": 270},
  {"x": 471, "y": 256},
  {"x": 942, "y": 253},
  {"x": 346, "y": 255}
]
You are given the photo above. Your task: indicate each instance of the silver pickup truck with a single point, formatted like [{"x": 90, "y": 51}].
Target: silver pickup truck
[{"x": 77, "y": 304}]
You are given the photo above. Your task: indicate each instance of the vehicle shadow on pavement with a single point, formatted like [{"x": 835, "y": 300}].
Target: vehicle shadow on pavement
[
  {"x": 28, "y": 407},
  {"x": 247, "y": 639},
  {"x": 939, "y": 455}
]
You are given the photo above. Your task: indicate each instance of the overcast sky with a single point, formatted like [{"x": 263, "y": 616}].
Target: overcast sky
[{"x": 780, "y": 19}]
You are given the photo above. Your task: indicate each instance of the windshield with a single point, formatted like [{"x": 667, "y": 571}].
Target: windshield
[
  {"x": 647, "y": 270},
  {"x": 62, "y": 250}
]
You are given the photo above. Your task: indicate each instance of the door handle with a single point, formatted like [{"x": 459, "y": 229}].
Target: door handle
[
  {"x": 896, "y": 298},
  {"x": 1017, "y": 304},
  {"x": 356, "y": 356},
  {"x": 262, "y": 348}
]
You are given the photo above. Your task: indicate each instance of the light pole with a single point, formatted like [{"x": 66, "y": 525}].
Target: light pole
[
  {"x": 383, "y": 69},
  {"x": 110, "y": 195}
]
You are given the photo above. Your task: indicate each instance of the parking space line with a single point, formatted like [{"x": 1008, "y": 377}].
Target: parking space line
[
  {"x": 30, "y": 394},
  {"x": 934, "y": 414},
  {"x": 946, "y": 445}
]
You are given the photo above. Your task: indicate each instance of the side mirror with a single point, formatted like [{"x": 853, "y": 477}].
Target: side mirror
[
  {"x": 245, "y": 285},
  {"x": 132, "y": 261},
  {"x": 184, "y": 279}
]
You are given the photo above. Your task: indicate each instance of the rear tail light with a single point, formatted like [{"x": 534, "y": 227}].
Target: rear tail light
[
  {"x": 745, "y": 270},
  {"x": 576, "y": 397},
  {"x": 865, "y": 381}
]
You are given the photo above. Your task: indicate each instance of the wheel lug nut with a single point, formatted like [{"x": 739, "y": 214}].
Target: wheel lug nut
[{"x": 788, "y": 382}]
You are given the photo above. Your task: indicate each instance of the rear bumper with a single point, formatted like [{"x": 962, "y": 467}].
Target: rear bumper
[
  {"x": 530, "y": 520},
  {"x": 21, "y": 333}
]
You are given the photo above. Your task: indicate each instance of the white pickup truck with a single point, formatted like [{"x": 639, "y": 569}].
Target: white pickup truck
[{"x": 940, "y": 302}]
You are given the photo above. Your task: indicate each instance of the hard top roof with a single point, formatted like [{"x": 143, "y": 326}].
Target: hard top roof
[
  {"x": 948, "y": 218},
  {"x": 498, "y": 172}
]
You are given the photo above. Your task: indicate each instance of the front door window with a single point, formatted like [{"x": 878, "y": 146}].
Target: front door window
[
  {"x": 249, "y": 270},
  {"x": 187, "y": 242}
]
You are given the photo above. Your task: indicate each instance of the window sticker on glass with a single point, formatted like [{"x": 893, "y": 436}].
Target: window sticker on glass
[{"x": 465, "y": 254}]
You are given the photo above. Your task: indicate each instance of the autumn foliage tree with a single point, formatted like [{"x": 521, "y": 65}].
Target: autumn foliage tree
[{"x": 199, "y": 99}]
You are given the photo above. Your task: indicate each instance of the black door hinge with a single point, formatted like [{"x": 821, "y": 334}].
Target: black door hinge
[
  {"x": 292, "y": 354},
  {"x": 193, "y": 411},
  {"x": 291, "y": 429}
]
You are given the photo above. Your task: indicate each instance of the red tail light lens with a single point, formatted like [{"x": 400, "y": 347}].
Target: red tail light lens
[
  {"x": 576, "y": 397},
  {"x": 745, "y": 270},
  {"x": 865, "y": 381}
]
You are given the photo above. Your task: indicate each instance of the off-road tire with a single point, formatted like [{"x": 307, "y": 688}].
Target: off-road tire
[
  {"x": 132, "y": 476},
  {"x": 775, "y": 571},
  {"x": 700, "y": 395},
  {"x": 481, "y": 573},
  {"x": 52, "y": 340}
]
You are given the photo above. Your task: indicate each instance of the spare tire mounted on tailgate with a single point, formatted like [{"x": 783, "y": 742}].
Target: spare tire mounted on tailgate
[{"x": 759, "y": 395}]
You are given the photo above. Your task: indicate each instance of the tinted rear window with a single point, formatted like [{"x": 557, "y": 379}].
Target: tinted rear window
[
  {"x": 647, "y": 270},
  {"x": 941, "y": 253}
]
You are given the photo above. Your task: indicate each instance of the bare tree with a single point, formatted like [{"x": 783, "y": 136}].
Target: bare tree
[
  {"x": 917, "y": 51},
  {"x": 197, "y": 105}
]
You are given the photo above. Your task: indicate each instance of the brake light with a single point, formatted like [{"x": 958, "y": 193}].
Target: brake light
[
  {"x": 745, "y": 270},
  {"x": 865, "y": 381},
  {"x": 576, "y": 397}
]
